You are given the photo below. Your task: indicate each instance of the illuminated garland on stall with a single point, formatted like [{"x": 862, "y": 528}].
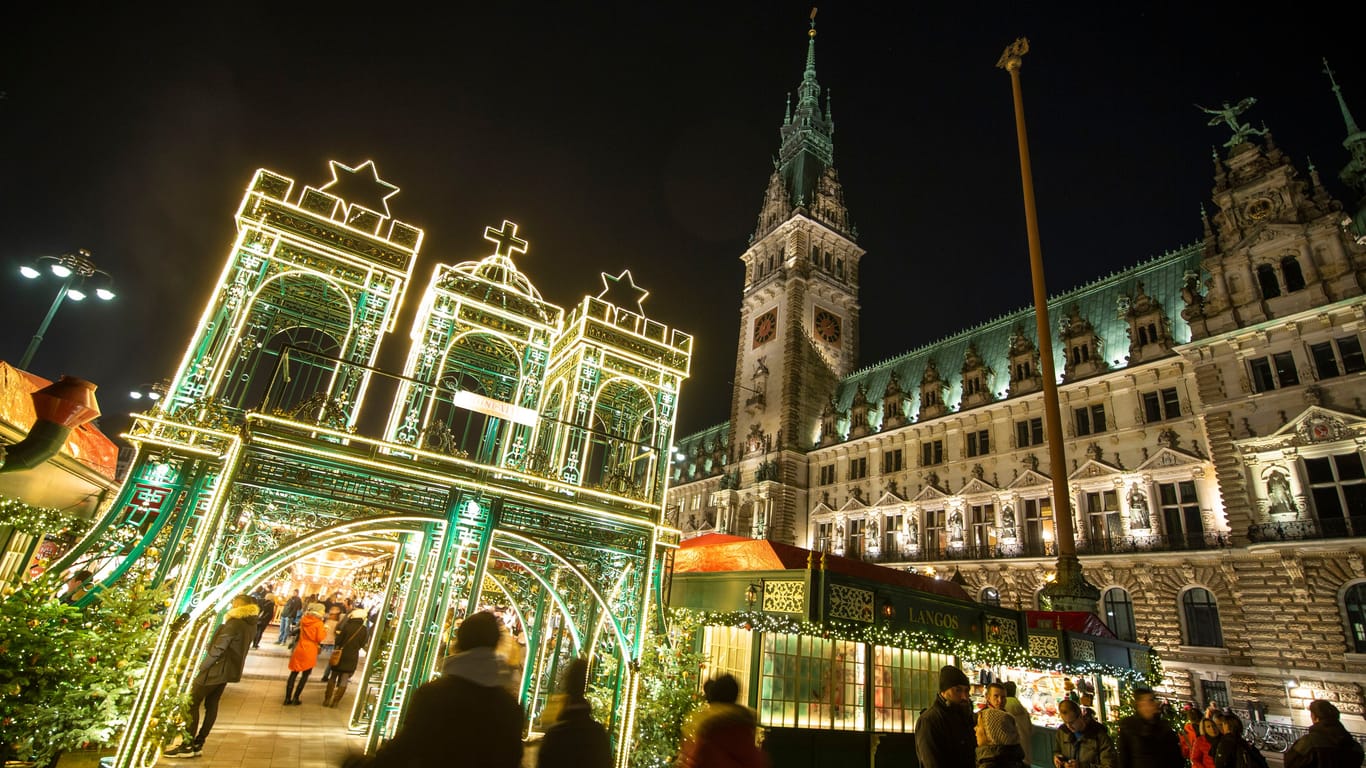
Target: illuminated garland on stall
[
  {"x": 36, "y": 521},
  {"x": 968, "y": 651}
]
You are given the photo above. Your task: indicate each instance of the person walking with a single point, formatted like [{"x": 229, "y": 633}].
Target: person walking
[
  {"x": 944, "y": 734},
  {"x": 223, "y": 664},
  {"x": 1326, "y": 744},
  {"x": 465, "y": 716},
  {"x": 722, "y": 732},
  {"x": 351, "y": 637},
  {"x": 266, "y": 602},
  {"x": 288, "y": 615},
  {"x": 1081, "y": 742},
  {"x": 1023, "y": 724},
  {"x": 305, "y": 656},
  {"x": 575, "y": 740},
  {"x": 1145, "y": 739}
]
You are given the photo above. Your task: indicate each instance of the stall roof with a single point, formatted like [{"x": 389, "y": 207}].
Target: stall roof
[
  {"x": 1072, "y": 621},
  {"x": 716, "y": 553}
]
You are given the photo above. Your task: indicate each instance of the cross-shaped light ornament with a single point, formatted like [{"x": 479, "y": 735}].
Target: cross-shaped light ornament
[{"x": 506, "y": 239}]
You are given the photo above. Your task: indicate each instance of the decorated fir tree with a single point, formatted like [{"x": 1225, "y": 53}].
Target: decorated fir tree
[
  {"x": 669, "y": 692},
  {"x": 68, "y": 674}
]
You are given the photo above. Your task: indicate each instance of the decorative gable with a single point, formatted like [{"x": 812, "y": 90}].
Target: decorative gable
[
  {"x": 977, "y": 486},
  {"x": 888, "y": 499},
  {"x": 1024, "y": 364},
  {"x": 1094, "y": 468},
  {"x": 1167, "y": 458},
  {"x": 1312, "y": 426},
  {"x": 1028, "y": 479},
  {"x": 932, "y": 388},
  {"x": 930, "y": 493}
]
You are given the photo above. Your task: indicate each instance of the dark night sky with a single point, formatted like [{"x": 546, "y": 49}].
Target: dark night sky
[{"x": 629, "y": 135}]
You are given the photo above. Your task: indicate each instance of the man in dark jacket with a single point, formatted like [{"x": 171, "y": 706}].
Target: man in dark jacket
[
  {"x": 465, "y": 716},
  {"x": 222, "y": 665},
  {"x": 289, "y": 616},
  {"x": 1145, "y": 739},
  {"x": 944, "y": 736},
  {"x": 1081, "y": 742},
  {"x": 575, "y": 740},
  {"x": 1327, "y": 744},
  {"x": 267, "y": 605}
]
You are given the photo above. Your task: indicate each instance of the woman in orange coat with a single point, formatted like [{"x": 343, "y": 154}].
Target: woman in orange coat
[{"x": 305, "y": 656}]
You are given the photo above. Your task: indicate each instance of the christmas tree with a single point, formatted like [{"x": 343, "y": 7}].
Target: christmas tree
[
  {"x": 68, "y": 675},
  {"x": 669, "y": 693}
]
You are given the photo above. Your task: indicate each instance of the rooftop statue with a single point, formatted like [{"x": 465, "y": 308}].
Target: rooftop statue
[{"x": 1230, "y": 115}]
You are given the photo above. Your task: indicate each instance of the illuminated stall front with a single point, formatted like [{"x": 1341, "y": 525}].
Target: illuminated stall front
[{"x": 839, "y": 657}]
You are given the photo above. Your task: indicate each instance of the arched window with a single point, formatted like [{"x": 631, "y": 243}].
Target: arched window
[
  {"x": 1354, "y": 600},
  {"x": 1119, "y": 613},
  {"x": 1202, "y": 618},
  {"x": 992, "y": 596},
  {"x": 1294, "y": 278},
  {"x": 1266, "y": 276}
]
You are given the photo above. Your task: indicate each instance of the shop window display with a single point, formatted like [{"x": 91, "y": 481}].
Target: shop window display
[{"x": 812, "y": 682}]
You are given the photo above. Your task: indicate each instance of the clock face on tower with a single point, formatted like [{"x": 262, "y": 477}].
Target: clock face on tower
[
  {"x": 765, "y": 327},
  {"x": 827, "y": 326}
]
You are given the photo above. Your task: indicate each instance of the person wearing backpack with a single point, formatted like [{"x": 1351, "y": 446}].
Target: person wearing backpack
[
  {"x": 1233, "y": 751},
  {"x": 1327, "y": 744}
]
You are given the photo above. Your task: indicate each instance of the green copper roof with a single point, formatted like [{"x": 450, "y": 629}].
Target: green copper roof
[
  {"x": 1100, "y": 302},
  {"x": 807, "y": 133}
]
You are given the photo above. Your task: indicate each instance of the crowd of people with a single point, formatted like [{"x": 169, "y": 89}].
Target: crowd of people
[{"x": 473, "y": 703}]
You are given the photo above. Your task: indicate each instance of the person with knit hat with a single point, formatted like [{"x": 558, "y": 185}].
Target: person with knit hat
[
  {"x": 305, "y": 656},
  {"x": 351, "y": 637},
  {"x": 465, "y": 716},
  {"x": 944, "y": 735},
  {"x": 998, "y": 740}
]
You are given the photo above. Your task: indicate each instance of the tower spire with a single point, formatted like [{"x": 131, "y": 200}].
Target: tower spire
[
  {"x": 1342, "y": 103},
  {"x": 1354, "y": 174}
]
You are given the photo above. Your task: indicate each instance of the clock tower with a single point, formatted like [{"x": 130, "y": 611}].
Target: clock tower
[{"x": 798, "y": 321}]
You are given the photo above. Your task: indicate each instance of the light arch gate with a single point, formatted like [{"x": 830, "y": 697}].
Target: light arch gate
[{"x": 555, "y": 507}]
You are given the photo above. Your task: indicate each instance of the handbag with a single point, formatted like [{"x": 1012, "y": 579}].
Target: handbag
[{"x": 336, "y": 656}]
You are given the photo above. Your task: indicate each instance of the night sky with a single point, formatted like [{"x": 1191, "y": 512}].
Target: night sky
[{"x": 635, "y": 135}]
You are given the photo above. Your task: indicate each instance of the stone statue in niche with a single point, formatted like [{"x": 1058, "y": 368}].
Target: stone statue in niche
[
  {"x": 911, "y": 535},
  {"x": 955, "y": 526},
  {"x": 839, "y": 531},
  {"x": 1140, "y": 517},
  {"x": 872, "y": 528},
  {"x": 1008, "y": 523},
  {"x": 1279, "y": 499}
]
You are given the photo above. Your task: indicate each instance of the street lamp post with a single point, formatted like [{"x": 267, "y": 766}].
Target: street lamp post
[
  {"x": 73, "y": 269},
  {"x": 1069, "y": 591}
]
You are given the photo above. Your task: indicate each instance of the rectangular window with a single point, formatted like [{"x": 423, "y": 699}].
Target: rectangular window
[
  {"x": 812, "y": 682},
  {"x": 823, "y": 534},
  {"x": 1286, "y": 375},
  {"x": 1325, "y": 363},
  {"x": 1181, "y": 514},
  {"x": 981, "y": 523},
  {"x": 931, "y": 453},
  {"x": 1090, "y": 419},
  {"x": 1028, "y": 432},
  {"x": 1161, "y": 405},
  {"x": 1338, "y": 486},
  {"x": 1262, "y": 378},
  {"x": 858, "y": 468},
  {"x": 904, "y": 683},
  {"x": 1278, "y": 370},
  {"x": 936, "y": 535},
  {"x": 891, "y": 534},
  {"x": 1038, "y": 525},
  {"x": 979, "y": 442},
  {"x": 1349, "y": 349},
  {"x": 727, "y": 650},
  {"x": 854, "y": 546},
  {"x": 891, "y": 462},
  {"x": 1103, "y": 527},
  {"x": 1215, "y": 692},
  {"x": 828, "y": 474}
]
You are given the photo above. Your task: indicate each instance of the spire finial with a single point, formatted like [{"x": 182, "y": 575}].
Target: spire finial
[{"x": 1342, "y": 103}]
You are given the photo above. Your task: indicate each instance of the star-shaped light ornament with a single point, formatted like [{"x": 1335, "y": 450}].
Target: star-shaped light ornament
[
  {"x": 360, "y": 186},
  {"x": 623, "y": 292}
]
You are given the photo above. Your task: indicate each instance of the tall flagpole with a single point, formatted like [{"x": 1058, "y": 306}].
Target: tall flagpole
[{"x": 1069, "y": 591}]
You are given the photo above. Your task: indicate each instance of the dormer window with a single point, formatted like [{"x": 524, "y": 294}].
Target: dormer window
[
  {"x": 1082, "y": 344},
  {"x": 1149, "y": 329},
  {"x": 976, "y": 390},
  {"x": 931, "y": 392},
  {"x": 1024, "y": 364}
]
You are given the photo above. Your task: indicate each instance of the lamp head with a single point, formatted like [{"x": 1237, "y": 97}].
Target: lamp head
[
  {"x": 75, "y": 294},
  {"x": 105, "y": 294},
  {"x": 59, "y": 269},
  {"x": 29, "y": 272}
]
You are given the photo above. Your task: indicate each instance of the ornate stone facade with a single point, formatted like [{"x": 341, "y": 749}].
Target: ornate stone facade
[{"x": 1215, "y": 431}]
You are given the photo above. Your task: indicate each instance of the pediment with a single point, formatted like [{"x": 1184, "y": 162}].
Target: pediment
[
  {"x": 1094, "y": 468},
  {"x": 1169, "y": 457},
  {"x": 888, "y": 499},
  {"x": 821, "y": 508},
  {"x": 1313, "y": 425},
  {"x": 930, "y": 493},
  {"x": 853, "y": 505},
  {"x": 977, "y": 485},
  {"x": 1029, "y": 478}
]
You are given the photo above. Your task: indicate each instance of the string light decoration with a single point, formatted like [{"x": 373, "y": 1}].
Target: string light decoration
[
  {"x": 967, "y": 651},
  {"x": 36, "y": 521}
]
